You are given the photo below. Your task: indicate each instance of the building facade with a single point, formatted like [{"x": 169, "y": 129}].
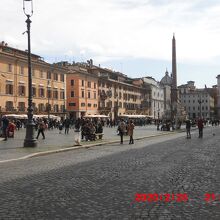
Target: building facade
[
  {"x": 95, "y": 90},
  {"x": 166, "y": 83},
  {"x": 156, "y": 97},
  {"x": 48, "y": 82},
  {"x": 82, "y": 91},
  {"x": 197, "y": 102}
]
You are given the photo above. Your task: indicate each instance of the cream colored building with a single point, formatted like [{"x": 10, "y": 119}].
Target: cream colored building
[
  {"x": 197, "y": 102},
  {"x": 48, "y": 82},
  {"x": 118, "y": 95},
  {"x": 156, "y": 97}
]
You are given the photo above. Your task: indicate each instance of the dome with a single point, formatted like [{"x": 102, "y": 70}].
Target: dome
[{"x": 166, "y": 80}]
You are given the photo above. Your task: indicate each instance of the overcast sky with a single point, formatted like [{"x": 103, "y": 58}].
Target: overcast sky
[{"x": 130, "y": 36}]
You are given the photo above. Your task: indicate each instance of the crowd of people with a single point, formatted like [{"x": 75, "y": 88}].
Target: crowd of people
[{"x": 92, "y": 129}]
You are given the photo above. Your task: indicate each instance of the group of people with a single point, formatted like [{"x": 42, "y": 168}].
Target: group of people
[
  {"x": 7, "y": 128},
  {"x": 128, "y": 129},
  {"x": 200, "y": 124},
  {"x": 90, "y": 130}
]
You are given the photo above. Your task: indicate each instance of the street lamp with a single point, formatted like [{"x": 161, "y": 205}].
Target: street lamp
[
  {"x": 200, "y": 103},
  {"x": 29, "y": 140},
  {"x": 48, "y": 101}
]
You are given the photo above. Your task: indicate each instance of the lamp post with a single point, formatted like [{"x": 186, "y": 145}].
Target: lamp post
[
  {"x": 48, "y": 101},
  {"x": 29, "y": 140},
  {"x": 200, "y": 105}
]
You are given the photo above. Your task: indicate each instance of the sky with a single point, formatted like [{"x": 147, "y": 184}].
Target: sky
[{"x": 130, "y": 36}]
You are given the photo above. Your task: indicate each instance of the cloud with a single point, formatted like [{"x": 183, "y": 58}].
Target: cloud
[{"x": 112, "y": 29}]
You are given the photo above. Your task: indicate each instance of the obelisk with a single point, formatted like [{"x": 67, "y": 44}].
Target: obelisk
[
  {"x": 174, "y": 95},
  {"x": 174, "y": 70}
]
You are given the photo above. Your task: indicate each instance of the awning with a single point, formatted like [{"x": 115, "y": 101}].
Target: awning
[{"x": 96, "y": 116}]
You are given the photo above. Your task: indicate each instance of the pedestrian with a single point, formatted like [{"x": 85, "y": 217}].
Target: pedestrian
[
  {"x": 11, "y": 129},
  {"x": 67, "y": 125},
  {"x": 130, "y": 130},
  {"x": 5, "y": 123},
  {"x": 122, "y": 129},
  {"x": 41, "y": 128},
  {"x": 188, "y": 129},
  {"x": 60, "y": 126},
  {"x": 200, "y": 127}
]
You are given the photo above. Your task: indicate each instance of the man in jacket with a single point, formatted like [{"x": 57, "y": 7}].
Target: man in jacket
[
  {"x": 5, "y": 123},
  {"x": 200, "y": 127},
  {"x": 122, "y": 129}
]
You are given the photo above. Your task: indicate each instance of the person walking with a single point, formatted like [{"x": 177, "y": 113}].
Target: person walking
[
  {"x": 41, "y": 127},
  {"x": 5, "y": 123},
  {"x": 188, "y": 129},
  {"x": 200, "y": 127},
  {"x": 122, "y": 129},
  {"x": 130, "y": 130},
  {"x": 67, "y": 125}
]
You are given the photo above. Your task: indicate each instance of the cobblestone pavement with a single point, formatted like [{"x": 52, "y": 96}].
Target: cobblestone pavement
[{"x": 101, "y": 182}]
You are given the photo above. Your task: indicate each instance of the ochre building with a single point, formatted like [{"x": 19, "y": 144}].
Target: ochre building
[{"x": 48, "y": 82}]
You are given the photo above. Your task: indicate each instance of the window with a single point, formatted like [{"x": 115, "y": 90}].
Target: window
[
  {"x": 62, "y": 77},
  {"x": 72, "y": 104},
  {"x": 48, "y": 75},
  {"x": 34, "y": 91},
  {"x": 9, "y": 89},
  {"x": 21, "y": 70},
  {"x": 89, "y": 104},
  {"x": 49, "y": 93},
  {"x": 21, "y": 106},
  {"x": 94, "y": 85},
  {"x": 94, "y": 95},
  {"x": 55, "y": 76},
  {"x": 88, "y": 95},
  {"x": 21, "y": 90},
  {"x": 89, "y": 84},
  {"x": 56, "y": 108},
  {"x": 62, "y": 108},
  {"x": 41, "y": 92},
  {"x": 83, "y": 104},
  {"x": 119, "y": 95},
  {"x": 72, "y": 82},
  {"x": 9, "y": 106},
  {"x": 95, "y": 105},
  {"x": 72, "y": 93},
  {"x": 55, "y": 94},
  {"x": 33, "y": 72},
  {"x": 9, "y": 67},
  {"x": 62, "y": 94},
  {"x": 82, "y": 82},
  {"x": 48, "y": 107},
  {"x": 41, "y": 74},
  {"x": 41, "y": 107},
  {"x": 83, "y": 94}
]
